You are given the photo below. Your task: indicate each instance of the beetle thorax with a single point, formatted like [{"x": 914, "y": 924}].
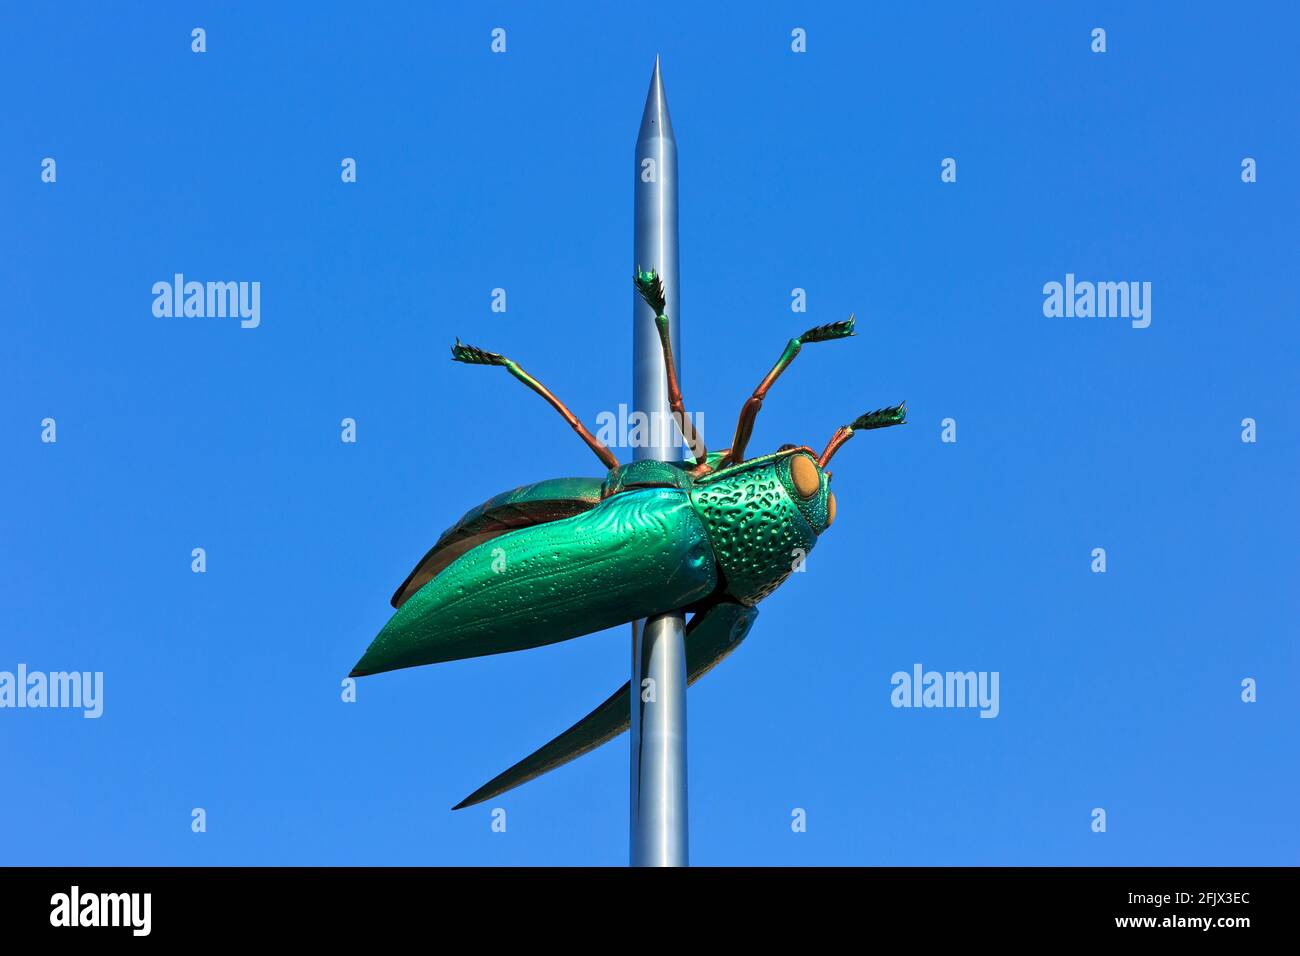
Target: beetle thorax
[{"x": 757, "y": 529}]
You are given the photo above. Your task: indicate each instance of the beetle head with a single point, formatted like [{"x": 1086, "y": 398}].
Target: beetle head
[
  {"x": 808, "y": 485},
  {"x": 805, "y": 475}
]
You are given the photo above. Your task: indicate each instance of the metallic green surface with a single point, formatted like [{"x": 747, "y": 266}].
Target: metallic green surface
[
  {"x": 640, "y": 553},
  {"x": 520, "y": 507},
  {"x": 646, "y": 473},
  {"x": 758, "y": 526},
  {"x": 500, "y": 507},
  {"x": 881, "y": 418},
  {"x": 571, "y": 564},
  {"x": 650, "y": 287},
  {"x": 711, "y": 635}
]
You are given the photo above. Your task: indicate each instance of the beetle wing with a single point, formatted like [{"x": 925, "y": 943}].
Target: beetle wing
[
  {"x": 636, "y": 554},
  {"x": 711, "y": 635},
  {"x": 521, "y": 507}
]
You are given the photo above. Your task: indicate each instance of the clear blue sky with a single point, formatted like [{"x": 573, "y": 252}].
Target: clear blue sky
[{"x": 818, "y": 170}]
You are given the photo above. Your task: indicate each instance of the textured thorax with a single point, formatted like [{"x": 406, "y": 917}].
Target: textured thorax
[{"x": 756, "y": 527}]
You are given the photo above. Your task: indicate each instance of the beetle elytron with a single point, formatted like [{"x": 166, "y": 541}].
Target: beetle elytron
[{"x": 571, "y": 556}]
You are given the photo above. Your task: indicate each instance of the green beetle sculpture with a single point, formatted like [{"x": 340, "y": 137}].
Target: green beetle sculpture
[{"x": 570, "y": 556}]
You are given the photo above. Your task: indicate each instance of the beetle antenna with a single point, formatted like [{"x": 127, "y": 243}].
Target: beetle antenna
[
  {"x": 880, "y": 418},
  {"x": 471, "y": 355},
  {"x": 749, "y": 413}
]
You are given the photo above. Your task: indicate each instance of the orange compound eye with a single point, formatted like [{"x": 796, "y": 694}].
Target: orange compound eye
[
  {"x": 830, "y": 510},
  {"x": 804, "y": 475}
]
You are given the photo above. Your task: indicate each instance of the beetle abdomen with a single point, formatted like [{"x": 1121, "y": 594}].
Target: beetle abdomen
[
  {"x": 636, "y": 554},
  {"x": 520, "y": 507}
]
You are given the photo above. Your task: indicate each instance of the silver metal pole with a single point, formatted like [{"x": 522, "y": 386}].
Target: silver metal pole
[{"x": 657, "y": 828}]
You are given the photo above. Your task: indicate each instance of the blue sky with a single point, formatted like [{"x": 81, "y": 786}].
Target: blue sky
[{"x": 819, "y": 171}]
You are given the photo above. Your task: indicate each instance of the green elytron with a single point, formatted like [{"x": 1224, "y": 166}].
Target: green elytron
[{"x": 571, "y": 556}]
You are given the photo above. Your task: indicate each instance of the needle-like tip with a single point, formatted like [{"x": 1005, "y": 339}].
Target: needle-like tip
[{"x": 655, "y": 121}]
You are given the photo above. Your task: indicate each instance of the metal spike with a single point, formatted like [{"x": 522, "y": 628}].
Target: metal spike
[{"x": 657, "y": 825}]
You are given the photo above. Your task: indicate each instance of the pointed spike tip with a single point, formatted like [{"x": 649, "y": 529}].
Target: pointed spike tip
[{"x": 655, "y": 120}]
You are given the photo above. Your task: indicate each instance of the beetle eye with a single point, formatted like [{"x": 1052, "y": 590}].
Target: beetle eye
[
  {"x": 804, "y": 475},
  {"x": 830, "y": 510}
]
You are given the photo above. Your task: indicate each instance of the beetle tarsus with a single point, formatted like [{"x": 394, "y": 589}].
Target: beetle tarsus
[
  {"x": 650, "y": 286},
  {"x": 832, "y": 330},
  {"x": 880, "y": 418},
  {"x": 472, "y": 355}
]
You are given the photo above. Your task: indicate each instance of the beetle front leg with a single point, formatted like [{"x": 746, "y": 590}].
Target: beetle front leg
[{"x": 749, "y": 412}]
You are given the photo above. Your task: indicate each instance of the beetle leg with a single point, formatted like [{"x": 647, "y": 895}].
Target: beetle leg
[
  {"x": 675, "y": 401},
  {"x": 749, "y": 412},
  {"x": 880, "y": 418},
  {"x": 651, "y": 289},
  {"x": 476, "y": 356},
  {"x": 714, "y": 632}
]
